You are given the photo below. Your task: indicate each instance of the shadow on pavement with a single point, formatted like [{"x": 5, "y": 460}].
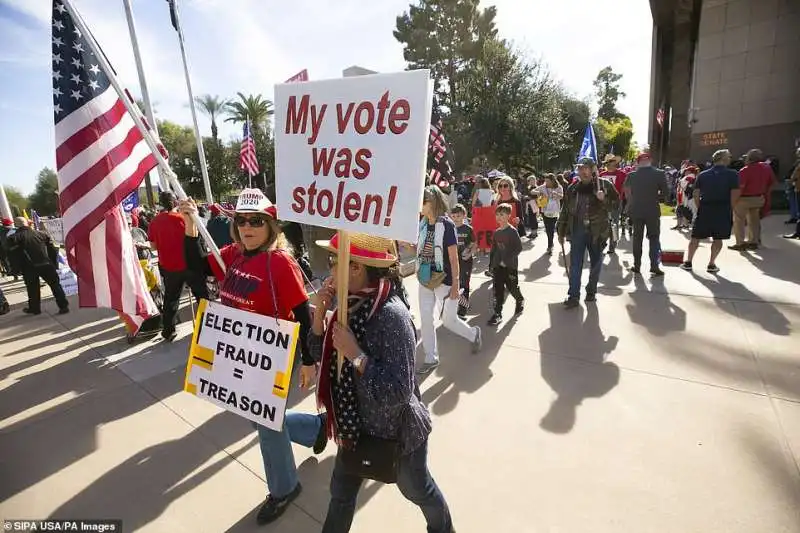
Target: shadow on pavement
[
  {"x": 770, "y": 319},
  {"x": 139, "y": 489},
  {"x": 574, "y": 380},
  {"x": 653, "y": 308},
  {"x": 462, "y": 371}
]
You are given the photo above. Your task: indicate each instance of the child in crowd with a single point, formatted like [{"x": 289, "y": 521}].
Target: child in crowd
[
  {"x": 504, "y": 262},
  {"x": 466, "y": 250}
]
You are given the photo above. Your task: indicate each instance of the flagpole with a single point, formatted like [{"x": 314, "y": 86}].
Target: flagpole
[
  {"x": 148, "y": 106},
  {"x": 200, "y": 150},
  {"x": 147, "y": 135}
]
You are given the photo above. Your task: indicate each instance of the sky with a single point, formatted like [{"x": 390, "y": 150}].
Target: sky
[{"x": 249, "y": 45}]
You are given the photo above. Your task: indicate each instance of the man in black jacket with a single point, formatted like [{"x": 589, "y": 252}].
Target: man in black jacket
[{"x": 35, "y": 255}]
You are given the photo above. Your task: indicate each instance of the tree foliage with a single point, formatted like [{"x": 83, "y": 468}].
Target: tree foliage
[
  {"x": 15, "y": 198},
  {"x": 608, "y": 93},
  {"x": 614, "y": 136},
  {"x": 45, "y": 196},
  {"x": 448, "y": 37},
  {"x": 213, "y": 107},
  {"x": 254, "y": 108}
]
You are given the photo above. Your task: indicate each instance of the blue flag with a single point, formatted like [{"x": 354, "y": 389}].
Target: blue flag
[
  {"x": 589, "y": 145},
  {"x": 130, "y": 202}
]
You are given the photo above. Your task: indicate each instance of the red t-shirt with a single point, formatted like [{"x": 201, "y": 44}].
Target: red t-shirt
[
  {"x": 167, "y": 231},
  {"x": 617, "y": 177},
  {"x": 755, "y": 179},
  {"x": 246, "y": 284}
]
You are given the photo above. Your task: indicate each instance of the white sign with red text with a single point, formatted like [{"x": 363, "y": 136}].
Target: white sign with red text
[{"x": 350, "y": 153}]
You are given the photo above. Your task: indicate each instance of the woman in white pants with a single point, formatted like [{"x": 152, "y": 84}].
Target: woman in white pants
[{"x": 438, "y": 276}]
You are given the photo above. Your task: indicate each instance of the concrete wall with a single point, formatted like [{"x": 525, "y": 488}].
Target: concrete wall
[{"x": 748, "y": 72}]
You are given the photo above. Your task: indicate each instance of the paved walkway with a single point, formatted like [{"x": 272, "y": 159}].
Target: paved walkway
[{"x": 670, "y": 406}]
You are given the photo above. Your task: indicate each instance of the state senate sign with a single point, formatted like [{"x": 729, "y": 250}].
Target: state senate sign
[
  {"x": 350, "y": 153},
  {"x": 242, "y": 361}
]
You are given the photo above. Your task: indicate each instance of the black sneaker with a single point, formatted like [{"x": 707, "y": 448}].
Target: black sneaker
[
  {"x": 686, "y": 265},
  {"x": 738, "y": 247},
  {"x": 63, "y": 311},
  {"x": 496, "y": 319},
  {"x": 571, "y": 303},
  {"x": 520, "y": 308},
  {"x": 635, "y": 269},
  {"x": 591, "y": 297},
  {"x": 169, "y": 335},
  {"x": 29, "y": 311},
  {"x": 550, "y": 250},
  {"x": 322, "y": 434},
  {"x": 751, "y": 245},
  {"x": 4, "y": 308},
  {"x": 273, "y": 507},
  {"x": 656, "y": 272},
  {"x": 712, "y": 269}
]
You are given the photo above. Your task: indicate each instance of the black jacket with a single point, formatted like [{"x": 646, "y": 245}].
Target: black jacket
[{"x": 31, "y": 248}]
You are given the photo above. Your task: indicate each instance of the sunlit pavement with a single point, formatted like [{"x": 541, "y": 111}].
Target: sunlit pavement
[{"x": 671, "y": 405}]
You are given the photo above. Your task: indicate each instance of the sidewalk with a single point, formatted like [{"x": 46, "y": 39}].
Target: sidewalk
[{"x": 670, "y": 406}]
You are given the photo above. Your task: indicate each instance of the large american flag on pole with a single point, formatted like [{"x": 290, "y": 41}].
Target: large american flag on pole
[
  {"x": 247, "y": 155},
  {"x": 101, "y": 158}
]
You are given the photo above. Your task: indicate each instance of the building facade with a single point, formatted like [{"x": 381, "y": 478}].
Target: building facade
[{"x": 727, "y": 74}]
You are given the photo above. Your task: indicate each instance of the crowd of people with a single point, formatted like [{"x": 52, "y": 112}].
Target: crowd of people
[{"x": 372, "y": 404}]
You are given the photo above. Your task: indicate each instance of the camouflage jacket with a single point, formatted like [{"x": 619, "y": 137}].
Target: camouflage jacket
[{"x": 597, "y": 211}]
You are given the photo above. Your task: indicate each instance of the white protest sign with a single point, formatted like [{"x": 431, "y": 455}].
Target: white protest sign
[
  {"x": 68, "y": 280},
  {"x": 350, "y": 153},
  {"x": 242, "y": 361},
  {"x": 55, "y": 228}
]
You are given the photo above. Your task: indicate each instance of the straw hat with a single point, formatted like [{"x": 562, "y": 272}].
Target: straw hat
[
  {"x": 365, "y": 249},
  {"x": 611, "y": 157}
]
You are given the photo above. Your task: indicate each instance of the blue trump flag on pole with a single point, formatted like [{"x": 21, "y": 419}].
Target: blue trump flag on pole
[{"x": 589, "y": 145}]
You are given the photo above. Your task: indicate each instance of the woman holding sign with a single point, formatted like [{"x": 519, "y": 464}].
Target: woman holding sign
[
  {"x": 438, "y": 274},
  {"x": 377, "y": 417},
  {"x": 257, "y": 265}
]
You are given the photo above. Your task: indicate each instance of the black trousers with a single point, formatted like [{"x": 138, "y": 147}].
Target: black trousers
[
  {"x": 173, "y": 287},
  {"x": 49, "y": 275},
  {"x": 550, "y": 229},
  {"x": 505, "y": 278}
]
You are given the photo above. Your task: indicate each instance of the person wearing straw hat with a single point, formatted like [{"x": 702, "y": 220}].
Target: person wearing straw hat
[
  {"x": 374, "y": 397},
  {"x": 585, "y": 218},
  {"x": 261, "y": 276}
]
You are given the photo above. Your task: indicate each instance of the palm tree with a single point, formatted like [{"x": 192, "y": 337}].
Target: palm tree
[
  {"x": 254, "y": 108},
  {"x": 212, "y": 106}
]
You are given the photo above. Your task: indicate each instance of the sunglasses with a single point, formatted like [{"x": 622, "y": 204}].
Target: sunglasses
[
  {"x": 504, "y": 186},
  {"x": 254, "y": 222}
]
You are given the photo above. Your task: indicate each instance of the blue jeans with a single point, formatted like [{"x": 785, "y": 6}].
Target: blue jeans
[
  {"x": 414, "y": 481},
  {"x": 581, "y": 240},
  {"x": 794, "y": 207},
  {"x": 276, "y": 447}
]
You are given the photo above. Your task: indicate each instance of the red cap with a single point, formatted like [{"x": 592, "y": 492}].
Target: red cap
[
  {"x": 8, "y": 222},
  {"x": 215, "y": 208}
]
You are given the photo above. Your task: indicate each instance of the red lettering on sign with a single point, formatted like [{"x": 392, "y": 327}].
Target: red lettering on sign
[{"x": 375, "y": 209}]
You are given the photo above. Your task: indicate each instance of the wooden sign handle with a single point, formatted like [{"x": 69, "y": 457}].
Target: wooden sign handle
[{"x": 342, "y": 282}]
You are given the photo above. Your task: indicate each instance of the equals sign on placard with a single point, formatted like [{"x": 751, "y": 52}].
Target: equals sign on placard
[{"x": 238, "y": 373}]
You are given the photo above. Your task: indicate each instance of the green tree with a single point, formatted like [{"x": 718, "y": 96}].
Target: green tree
[
  {"x": 254, "y": 108},
  {"x": 577, "y": 115},
  {"x": 213, "y": 107},
  {"x": 180, "y": 144},
  {"x": 448, "y": 37},
  {"x": 45, "y": 196},
  {"x": 608, "y": 93},
  {"x": 15, "y": 198},
  {"x": 513, "y": 110},
  {"x": 614, "y": 136}
]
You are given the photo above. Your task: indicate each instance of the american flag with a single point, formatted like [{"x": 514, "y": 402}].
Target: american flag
[
  {"x": 247, "y": 155},
  {"x": 441, "y": 174},
  {"x": 101, "y": 158}
]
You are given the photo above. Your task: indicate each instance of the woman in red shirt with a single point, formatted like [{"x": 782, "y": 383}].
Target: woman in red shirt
[{"x": 257, "y": 264}]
